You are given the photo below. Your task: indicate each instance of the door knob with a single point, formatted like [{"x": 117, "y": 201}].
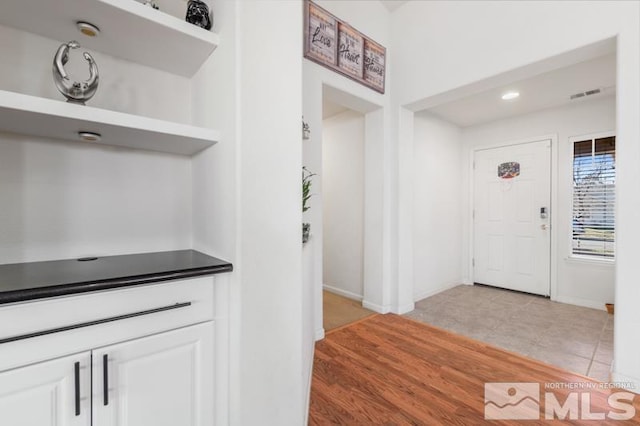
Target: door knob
[{"x": 544, "y": 227}]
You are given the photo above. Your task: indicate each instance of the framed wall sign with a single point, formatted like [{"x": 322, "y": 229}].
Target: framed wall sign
[
  {"x": 337, "y": 45},
  {"x": 350, "y": 51},
  {"x": 374, "y": 64},
  {"x": 321, "y": 34}
]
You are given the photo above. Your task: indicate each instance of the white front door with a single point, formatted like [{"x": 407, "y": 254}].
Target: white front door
[{"x": 512, "y": 197}]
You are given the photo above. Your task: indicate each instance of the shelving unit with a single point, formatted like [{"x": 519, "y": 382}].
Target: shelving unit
[
  {"x": 129, "y": 30},
  {"x": 30, "y": 115},
  {"x": 161, "y": 42}
]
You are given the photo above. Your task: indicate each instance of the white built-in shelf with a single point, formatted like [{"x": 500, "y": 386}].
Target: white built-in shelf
[
  {"x": 53, "y": 119},
  {"x": 128, "y": 30}
]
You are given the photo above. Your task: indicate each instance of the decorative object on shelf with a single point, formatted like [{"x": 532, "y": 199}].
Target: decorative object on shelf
[
  {"x": 198, "y": 14},
  {"x": 76, "y": 92},
  {"x": 88, "y": 29},
  {"x": 151, "y": 4},
  {"x": 306, "y": 132},
  {"x": 306, "y": 194},
  {"x": 336, "y": 45}
]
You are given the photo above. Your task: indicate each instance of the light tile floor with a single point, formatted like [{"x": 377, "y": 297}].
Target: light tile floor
[{"x": 571, "y": 337}]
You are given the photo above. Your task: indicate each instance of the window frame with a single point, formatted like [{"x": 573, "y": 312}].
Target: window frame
[{"x": 586, "y": 258}]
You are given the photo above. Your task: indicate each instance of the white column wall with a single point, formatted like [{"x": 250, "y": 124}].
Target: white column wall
[{"x": 437, "y": 214}]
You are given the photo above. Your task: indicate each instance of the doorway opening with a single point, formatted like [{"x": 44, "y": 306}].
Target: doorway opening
[
  {"x": 343, "y": 163},
  {"x": 370, "y": 237}
]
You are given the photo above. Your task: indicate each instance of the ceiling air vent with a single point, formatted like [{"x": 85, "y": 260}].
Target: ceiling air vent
[{"x": 583, "y": 94}]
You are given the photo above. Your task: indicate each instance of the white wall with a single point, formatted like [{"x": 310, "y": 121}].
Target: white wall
[
  {"x": 443, "y": 45},
  {"x": 343, "y": 203},
  {"x": 584, "y": 283},
  {"x": 270, "y": 244},
  {"x": 377, "y": 226},
  {"x": 437, "y": 236},
  {"x": 247, "y": 206},
  {"x": 65, "y": 199},
  {"x": 216, "y": 201}
]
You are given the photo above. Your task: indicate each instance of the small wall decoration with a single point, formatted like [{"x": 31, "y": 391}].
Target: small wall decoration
[
  {"x": 509, "y": 170},
  {"x": 74, "y": 91},
  {"x": 306, "y": 131},
  {"x": 336, "y": 45}
]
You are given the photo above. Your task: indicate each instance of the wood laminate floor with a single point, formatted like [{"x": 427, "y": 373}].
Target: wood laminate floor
[
  {"x": 391, "y": 370},
  {"x": 339, "y": 311}
]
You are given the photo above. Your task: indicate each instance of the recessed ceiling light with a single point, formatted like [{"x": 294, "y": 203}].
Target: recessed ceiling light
[
  {"x": 88, "y": 29},
  {"x": 510, "y": 95},
  {"x": 90, "y": 136}
]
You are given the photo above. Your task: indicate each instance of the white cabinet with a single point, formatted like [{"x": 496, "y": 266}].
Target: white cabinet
[
  {"x": 158, "y": 350},
  {"x": 161, "y": 380},
  {"x": 52, "y": 393}
]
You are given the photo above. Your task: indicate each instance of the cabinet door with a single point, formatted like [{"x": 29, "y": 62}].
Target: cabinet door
[
  {"x": 51, "y": 393},
  {"x": 161, "y": 380}
]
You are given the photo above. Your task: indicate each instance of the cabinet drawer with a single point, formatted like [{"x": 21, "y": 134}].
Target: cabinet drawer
[{"x": 34, "y": 331}]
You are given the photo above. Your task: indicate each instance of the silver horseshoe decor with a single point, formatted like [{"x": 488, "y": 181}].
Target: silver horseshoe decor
[{"x": 77, "y": 92}]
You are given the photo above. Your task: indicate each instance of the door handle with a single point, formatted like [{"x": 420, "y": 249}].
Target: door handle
[{"x": 544, "y": 226}]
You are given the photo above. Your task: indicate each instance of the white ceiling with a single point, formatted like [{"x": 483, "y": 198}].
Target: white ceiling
[
  {"x": 393, "y": 4},
  {"x": 548, "y": 90}
]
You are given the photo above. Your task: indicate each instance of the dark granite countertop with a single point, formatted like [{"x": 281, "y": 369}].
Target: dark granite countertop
[{"x": 36, "y": 280}]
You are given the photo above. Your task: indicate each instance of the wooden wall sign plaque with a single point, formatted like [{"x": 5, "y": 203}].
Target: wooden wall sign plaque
[{"x": 335, "y": 44}]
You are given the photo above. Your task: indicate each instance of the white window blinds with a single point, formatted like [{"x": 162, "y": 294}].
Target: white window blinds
[{"x": 594, "y": 180}]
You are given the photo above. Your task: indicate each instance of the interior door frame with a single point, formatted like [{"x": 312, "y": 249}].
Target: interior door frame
[{"x": 553, "y": 269}]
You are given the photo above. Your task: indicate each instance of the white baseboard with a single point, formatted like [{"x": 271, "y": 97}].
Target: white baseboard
[
  {"x": 341, "y": 292},
  {"x": 430, "y": 293},
  {"x": 595, "y": 304},
  {"x": 375, "y": 307},
  {"x": 319, "y": 334}
]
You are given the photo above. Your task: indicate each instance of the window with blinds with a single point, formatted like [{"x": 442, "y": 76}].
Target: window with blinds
[{"x": 594, "y": 184}]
